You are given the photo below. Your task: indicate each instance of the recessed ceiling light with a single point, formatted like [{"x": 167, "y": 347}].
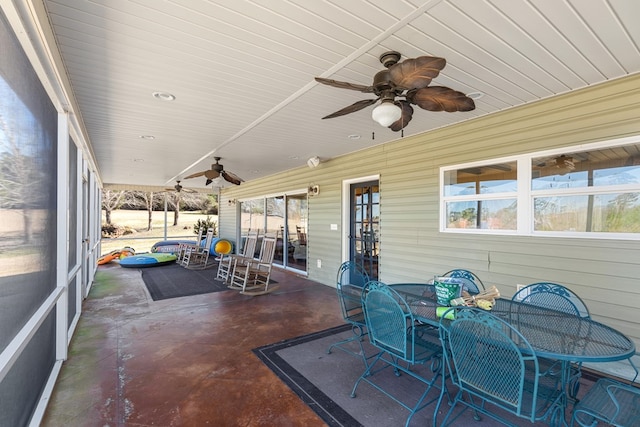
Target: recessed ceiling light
[
  {"x": 147, "y": 137},
  {"x": 138, "y": 160},
  {"x": 164, "y": 96},
  {"x": 294, "y": 157},
  {"x": 475, "y": 95},
  {"x": 354, "y": 136}
]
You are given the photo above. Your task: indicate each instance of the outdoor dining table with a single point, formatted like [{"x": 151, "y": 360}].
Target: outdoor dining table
[{"x": 552, "y": 334}]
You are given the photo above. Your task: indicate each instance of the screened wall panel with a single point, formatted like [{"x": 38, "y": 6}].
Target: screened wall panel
[
  {"x": 31, "y": 372},
  {"x": 73, "y": 202},
  {"x": 73, "y": 229},
  {"x": 28, "y": 170}
]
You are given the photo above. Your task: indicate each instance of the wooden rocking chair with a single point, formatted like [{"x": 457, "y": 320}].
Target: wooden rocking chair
[
  {"x": 253, "y": 277},
  {"x": 183, "y": 247},
  {"x": 227, "y": 263},
  {"x": 197, "y": 257}
]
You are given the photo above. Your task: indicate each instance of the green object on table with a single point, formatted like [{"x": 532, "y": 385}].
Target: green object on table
[
  {"x": 446, "y": 289},
  {"x": 442, "y": 311}
]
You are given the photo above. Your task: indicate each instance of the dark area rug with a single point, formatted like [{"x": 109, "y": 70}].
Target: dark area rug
[
  {"x": 173, "y": 281},
  {"x": 324, "y": 382}
]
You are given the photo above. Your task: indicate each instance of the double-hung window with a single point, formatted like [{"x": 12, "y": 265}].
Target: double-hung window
[{"x": 587, "y": 191}]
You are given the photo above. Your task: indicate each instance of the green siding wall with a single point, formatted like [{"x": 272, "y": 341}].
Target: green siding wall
[{"x": 604, "y": 272}]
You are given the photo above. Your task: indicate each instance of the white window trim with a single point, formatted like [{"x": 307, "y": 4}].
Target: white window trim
[{"x": 525, "y": 196}]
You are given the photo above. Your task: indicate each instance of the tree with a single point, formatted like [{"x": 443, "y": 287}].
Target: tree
[
  {"x": 111, "y": 200},
  {"x": 176, "y": 207},
  {"x": 148, "y": 202},
  {"x": 24, "y": 170}
]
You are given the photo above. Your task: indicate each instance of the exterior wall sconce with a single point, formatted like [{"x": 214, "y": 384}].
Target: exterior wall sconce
[{"x": 232, "y": 202}]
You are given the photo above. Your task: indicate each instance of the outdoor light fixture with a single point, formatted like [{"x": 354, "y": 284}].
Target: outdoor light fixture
[
  {"x": 313, "y": 162},
  {"x": 386, "y": 113},
  {"x": 217, "y": 181}
]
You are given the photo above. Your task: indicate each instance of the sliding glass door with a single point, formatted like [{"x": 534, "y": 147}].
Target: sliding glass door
[
  {"x": 284, "y": 215},
  {"x": 296, "y": 231}
]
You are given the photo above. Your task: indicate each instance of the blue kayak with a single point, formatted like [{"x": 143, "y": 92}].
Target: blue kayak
[{"x": 148, "y": 260}]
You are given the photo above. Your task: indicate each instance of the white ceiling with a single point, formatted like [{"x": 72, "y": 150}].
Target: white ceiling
[{"x": 242, "y": 72}]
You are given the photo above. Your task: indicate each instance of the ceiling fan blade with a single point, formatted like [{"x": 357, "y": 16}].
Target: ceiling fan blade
[
  {"x": 195, "y": 175},
  {"x": 440, "y": 98},
  {"x": 357, "y": 106},
  {"x": 416, "y": 73},
  {"x": 407, "y": 115},
  {"x": 232, "y": 178},
  {"x": 345, "y": 85},
  {"x": 211, "y": 174}
]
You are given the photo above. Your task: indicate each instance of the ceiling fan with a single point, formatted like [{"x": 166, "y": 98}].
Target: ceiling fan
[
  {"x": 179, "y": 188},
  {"x": 558, "y": 165},
  {"x": 217, "y": 170},
  {"x": 408, "y": 79}
]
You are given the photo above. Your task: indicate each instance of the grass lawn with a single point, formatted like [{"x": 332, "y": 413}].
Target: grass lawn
[{"x": 142, "y": 240}]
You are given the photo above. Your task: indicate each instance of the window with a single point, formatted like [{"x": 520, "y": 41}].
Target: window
[
  {"x": 589, "y": 191},
  {"x": 481, "y": 197}
]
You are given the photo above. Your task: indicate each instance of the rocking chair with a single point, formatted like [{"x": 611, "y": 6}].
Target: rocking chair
[
  {"x": 252, "y": 278},
  {"x": 228, "y": 262}
]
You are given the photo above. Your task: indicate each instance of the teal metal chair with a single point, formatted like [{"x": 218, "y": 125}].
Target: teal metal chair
[
  {"x": 470, "y": 281},
  {"x": 350, "y": 282},
  {"x": 494, "y": 366},
  {"x": 392, "y": 331},
  {"x": 554, "y": 297},
  {"x": 609, "y": 402}
]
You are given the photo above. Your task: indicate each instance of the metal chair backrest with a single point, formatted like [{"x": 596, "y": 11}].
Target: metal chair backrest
[
  {"x": 552, "y": 296},
  {"x": 390, "y": 321},
  {"x": 491, "y": 361},
  {"x": 349, "y": 284},
  {"x": 469, "y": 280}
]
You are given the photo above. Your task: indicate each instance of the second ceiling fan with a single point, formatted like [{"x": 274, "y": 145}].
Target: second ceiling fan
[
  {"x": 408, "y": 79},
  {"x": 179, "y": 188},
  {"x": 217, "y": 170}
]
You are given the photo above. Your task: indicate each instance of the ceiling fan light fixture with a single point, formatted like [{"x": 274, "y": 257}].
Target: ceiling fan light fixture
[
  {"x": 217, "y": 181},
  {"x": 386, "y": 113}
]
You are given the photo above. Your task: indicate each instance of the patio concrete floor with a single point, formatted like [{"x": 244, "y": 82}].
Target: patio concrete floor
[{"x": 188, "y": 361}]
